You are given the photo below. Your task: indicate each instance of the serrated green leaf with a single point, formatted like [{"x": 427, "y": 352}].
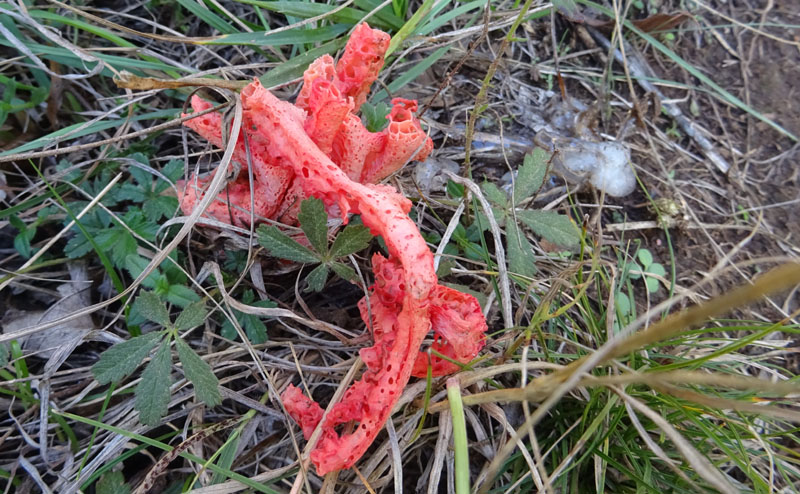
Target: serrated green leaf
[
  {"x": 181, "y": 295},
  {"x": 281, "y": 245},
  {"x": 112, "y": 483},
  {"x": 123, "y": 358},
  {"x": 317, "y": 277},
  {"x": 135, "y": 265},
  {"x": 354, "y": 238},
  {"x": 530, "y": 175},
  {"x": 314, "y": 223},
  {"x": 206, "y": 384},
  {"x": 552, "y": 226},
  {"x": 495, "y": 195},
  {"x": 375, "y": 115},
  {"x": 520, "y": 251},
  {"x": 344, "y": 271},
  {"x": 192, "y": 316},
  {"x": 151, "y": 307},
  {"x": 152, "y": 393}
]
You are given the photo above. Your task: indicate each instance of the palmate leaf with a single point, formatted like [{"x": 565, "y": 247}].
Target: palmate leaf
[
  {"x": 152, "y": 393},
  {"x": 494, "y": 195},
  {"x": 281, "y": 245},
  {"x": 206, "y": 384},
  {"x": 123, "y": 358}
]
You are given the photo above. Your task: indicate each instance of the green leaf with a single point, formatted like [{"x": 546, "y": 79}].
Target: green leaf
[
  {"x": 206, "y": 384},
  {"x": 112, "y": 483},
  {"x": 623, "y": 303},
  {"x": 192, "y": 316},
  {"x": 152, "y": 308},
  {"x": 316, "y": 279},
  {"x": 118, "y": 242},
  {"x": 645, "y": 257},
  {"x": 520, "y": 252},
  {"x": 375, "y": 115},
  {"x": 295, "y": 67},
  {"x": 135, "y": 265},
  {"x": 296, "y": 36},
  {"x": 181, "y": 295},
  {"x": 314, "y": 222},
  {"x": 281, "y": 245},
  {"x": 354, "y": 238},
  {"x": 123, "y": 358},
  {"x": 152, "y": 393},
  {"x": 454, "y": 190},
  {"x": 530, "y": 175},
  {"x": 3, "y": 355},
  {"x": 652, "y": 284},
  {"x": 252, "y": 324},
  {"x": 553, "y": 227},
  {"x": 344, "y": 271},
  {"x": 494, "y": 194}
]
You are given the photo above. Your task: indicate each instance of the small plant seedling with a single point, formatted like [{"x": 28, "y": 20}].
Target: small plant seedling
[
  {"x": 314, "y": 223},
  {"x": 153, "y": 391},
  {"x": 649, "y": 269},
  {"x": 375, "y": 115}
]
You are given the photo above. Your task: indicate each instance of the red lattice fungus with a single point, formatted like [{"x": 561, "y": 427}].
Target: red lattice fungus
[{"x": 318, "y": 147}]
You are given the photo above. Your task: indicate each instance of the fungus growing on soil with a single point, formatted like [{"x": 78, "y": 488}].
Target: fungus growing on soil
[{"x": 308, "y": 154}]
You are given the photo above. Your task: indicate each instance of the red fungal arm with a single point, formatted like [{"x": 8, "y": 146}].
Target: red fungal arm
[
  {"x": 272, "y": 180},
  {"x": 361, "y": 62},
  {"x": 302, "y": 409}
]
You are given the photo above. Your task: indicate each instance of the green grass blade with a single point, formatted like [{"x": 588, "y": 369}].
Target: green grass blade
[
  {"x": 208, "y": 16},
  {"x": 409, "y": 27},
  {"x": 302, "y": 10},
  {"x": 412, "y": 74},
  {"x": 295, "y": 67},
  {"x": 92, "y": 128},
  {"x": 296, "y": 36},
  {"x": 459, "y": 436}
]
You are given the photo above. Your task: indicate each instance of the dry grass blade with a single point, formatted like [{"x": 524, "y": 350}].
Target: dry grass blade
[
  {"x": 700, "y": 463},
  {"x": 550, "y": 389},
  {"x": 502, "y": 267}
]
